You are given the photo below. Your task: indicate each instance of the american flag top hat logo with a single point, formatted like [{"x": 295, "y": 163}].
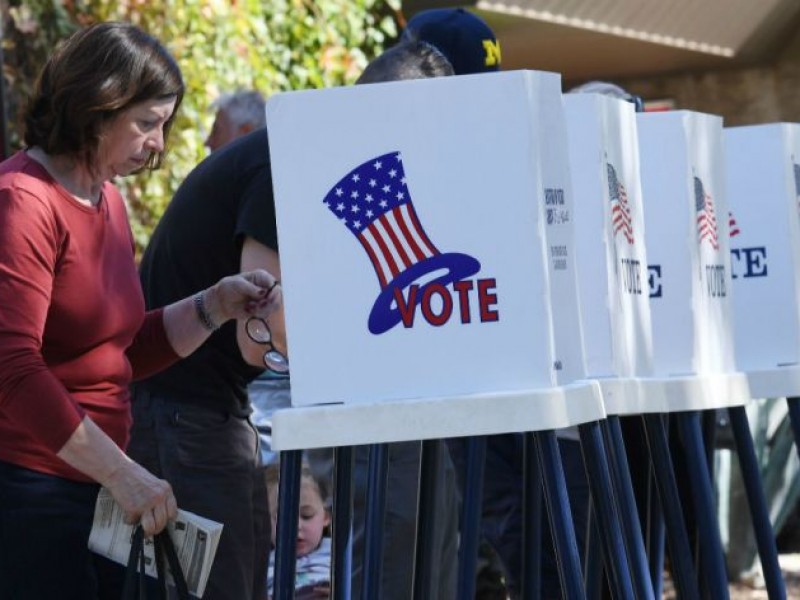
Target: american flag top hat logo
[
  {"x": 706, "y": 216},
  {"x": 621, "y": 221},
  {"x": 374, "y": 203}
]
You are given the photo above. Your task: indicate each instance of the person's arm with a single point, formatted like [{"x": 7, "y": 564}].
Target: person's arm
[
  {"x": 190, "y": 321},
  {"x": 256, "y": 255},
  {"x": 161, "y": 339},
  {"x": 151, "y": 351},
  {"x": 141, "y": 495}
]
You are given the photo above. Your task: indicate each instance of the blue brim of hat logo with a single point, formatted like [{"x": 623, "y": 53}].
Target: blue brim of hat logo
[{"x": 384, "y": 316}]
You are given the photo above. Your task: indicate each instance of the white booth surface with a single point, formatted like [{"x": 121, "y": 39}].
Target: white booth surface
[
  {"x": 610, "y": 244},
  {"x": 686, "y": 219},
  {"x": 674, "y": 394},
  {"x": 436, "y": 418},
  {"x": 763, "y": 175},
  {"x": 425, "y": 239}
]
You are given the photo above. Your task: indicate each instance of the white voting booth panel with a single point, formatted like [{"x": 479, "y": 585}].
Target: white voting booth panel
[
  {"x": 763, "y": 170},
  {"x": 610, "y": 246},
  {"x": 686, "y": 219},
  {"x": 560, "y": 213},
  {"x": 413, "y": 224}
]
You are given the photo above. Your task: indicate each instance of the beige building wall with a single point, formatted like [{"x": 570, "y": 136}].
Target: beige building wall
[{"x": 765, "y": 93}]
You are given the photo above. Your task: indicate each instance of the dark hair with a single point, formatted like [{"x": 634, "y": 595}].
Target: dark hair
[
  {"x": 89, "y": 79},
  {"x": 411, "y": 59}
]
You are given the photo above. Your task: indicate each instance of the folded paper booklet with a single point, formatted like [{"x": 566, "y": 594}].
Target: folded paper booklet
[{"x": 195, "y": 538}]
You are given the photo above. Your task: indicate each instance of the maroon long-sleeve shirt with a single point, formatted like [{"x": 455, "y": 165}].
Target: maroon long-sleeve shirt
[{"x": 73, "y": 330}]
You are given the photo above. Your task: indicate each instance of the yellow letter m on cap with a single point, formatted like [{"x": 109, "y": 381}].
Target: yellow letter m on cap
[{"x": 492, "y": 49}]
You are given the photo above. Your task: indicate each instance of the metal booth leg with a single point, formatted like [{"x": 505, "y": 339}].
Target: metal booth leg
[
  {"x": 629, "y": 514},
  {"x": 603, "y": 500},
  {"x": 531, "y": 581},
  {"x": 656, "y": 534},
  {"x": 561, "y": 525},
  {"x": 471, "y": 515},
  {"x": 342, "y": 529},
  {"x": 378, "y": 469},
  {"x": 424, "y": 565},
  {"x": 712, "y": 557},
  {"x": 286, "y": 534},
  {"x": 765, "y": 537},
  {"x": 595, "y": 574},
  {"x": 680, "y": 551}
]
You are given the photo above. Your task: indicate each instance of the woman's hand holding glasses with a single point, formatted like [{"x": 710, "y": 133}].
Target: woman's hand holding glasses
[
  {"x": 258, "y": 330},
  {"x": 249, "y": 294}
]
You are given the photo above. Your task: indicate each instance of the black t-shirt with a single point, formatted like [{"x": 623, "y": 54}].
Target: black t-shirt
[{"x": 198, "y": 241}]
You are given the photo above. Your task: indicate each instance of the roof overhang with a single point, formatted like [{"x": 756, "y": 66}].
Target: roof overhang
[{"x": 585, "y": 39}]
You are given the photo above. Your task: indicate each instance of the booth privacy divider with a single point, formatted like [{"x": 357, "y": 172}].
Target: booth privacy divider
[
  {"x": 425, "y": 243},
  {"x": 615, "y": 314},
  {"x": 763, "y": 177},
  {"x": 686, "y": 216}
]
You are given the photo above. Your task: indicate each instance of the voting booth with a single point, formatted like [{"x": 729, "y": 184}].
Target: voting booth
[
  {"x": 426, "y": 243},
  {"x": 421, "y": 264},
  {"x": 615, "y": 314},
  {"x": 686, "y": 219},
  {"x": 763, "y": 171},
  {"x": 610, "y": 247}
]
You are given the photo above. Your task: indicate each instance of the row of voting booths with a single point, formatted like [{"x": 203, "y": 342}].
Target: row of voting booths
[{"x": 476, "y": 255}]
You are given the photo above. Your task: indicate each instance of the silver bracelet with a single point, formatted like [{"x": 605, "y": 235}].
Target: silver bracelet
[{"x": 199, "y": 300}]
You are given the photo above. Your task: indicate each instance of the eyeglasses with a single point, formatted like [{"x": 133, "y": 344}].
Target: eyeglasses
[{"x": 258, "y": 331}]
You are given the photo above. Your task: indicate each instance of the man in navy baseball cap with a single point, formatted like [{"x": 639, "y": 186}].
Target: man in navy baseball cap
[{"x": 463, "y": 37}]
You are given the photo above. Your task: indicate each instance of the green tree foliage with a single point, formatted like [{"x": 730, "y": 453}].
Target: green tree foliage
[{"x": 221, "y": 46}]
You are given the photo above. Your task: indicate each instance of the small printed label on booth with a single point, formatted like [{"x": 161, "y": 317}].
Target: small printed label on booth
[
  {"x": 374, "y": 203},
  {"x": 556, "y": 211},
  {"x": 559, "y": 256}
]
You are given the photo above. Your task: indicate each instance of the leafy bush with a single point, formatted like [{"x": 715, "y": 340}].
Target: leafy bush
[{"x": 220, "y": 45}]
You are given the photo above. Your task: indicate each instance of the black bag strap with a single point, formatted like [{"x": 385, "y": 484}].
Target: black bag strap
[
  {"x": 135, "y": 587},
  {"x": 165, "y": 547},
  {"x": 160, "y": 572},
  {"x": 134, "y": 573}
]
